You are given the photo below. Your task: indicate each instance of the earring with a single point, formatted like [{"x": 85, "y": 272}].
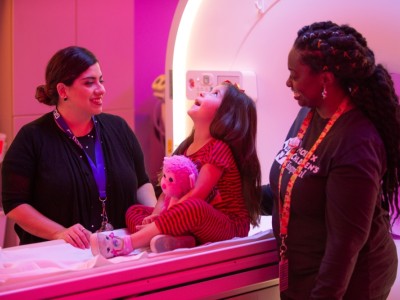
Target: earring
[
  {"x": 65, "y": 98},
  {"x": 324, "y": 94}
]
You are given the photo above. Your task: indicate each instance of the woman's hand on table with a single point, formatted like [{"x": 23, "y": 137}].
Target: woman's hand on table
[{"x": 76, "y": 235}]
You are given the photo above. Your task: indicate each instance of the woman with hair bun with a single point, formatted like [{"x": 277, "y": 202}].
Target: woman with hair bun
[
  {"x": 76, "y": 170},
  {"x": 335, "y": 182}
]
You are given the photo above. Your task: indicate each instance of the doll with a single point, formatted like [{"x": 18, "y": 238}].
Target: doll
[{"x": 179, "y": 175}]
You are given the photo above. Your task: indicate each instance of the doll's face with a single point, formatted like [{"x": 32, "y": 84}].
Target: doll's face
[
  {"x": 170, "y": 185},
  {"x": 168, "y": 181}
]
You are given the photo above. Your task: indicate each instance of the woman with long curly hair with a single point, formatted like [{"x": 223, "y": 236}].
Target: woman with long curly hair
[{"x": 335, "y": 182}]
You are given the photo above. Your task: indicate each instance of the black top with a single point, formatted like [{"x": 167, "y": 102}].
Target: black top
[
  {"x": 46, "y": 169},
  {"x": 339, "y": 243}
]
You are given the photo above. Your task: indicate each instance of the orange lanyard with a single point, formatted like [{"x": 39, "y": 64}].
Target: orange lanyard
[{"x": 284, "y": 211}]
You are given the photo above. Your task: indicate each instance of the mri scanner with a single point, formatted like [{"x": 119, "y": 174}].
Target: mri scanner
[
  {"x": 251, "y": 39},
  {"x": 247, "y": 42}
]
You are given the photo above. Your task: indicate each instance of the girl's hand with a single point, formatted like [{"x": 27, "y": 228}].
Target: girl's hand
[{"x": 76, "y": 235}]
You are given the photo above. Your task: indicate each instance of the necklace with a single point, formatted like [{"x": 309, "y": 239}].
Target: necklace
[{"x": 284, "y": 210}]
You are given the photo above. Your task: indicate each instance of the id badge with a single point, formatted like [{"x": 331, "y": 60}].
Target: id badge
[
  {"x": 283, "y": 274},
  {"x": 105, "y": 226}
]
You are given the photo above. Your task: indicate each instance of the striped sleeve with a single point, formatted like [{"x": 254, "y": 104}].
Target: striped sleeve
[{"x": 221, "y": 156}]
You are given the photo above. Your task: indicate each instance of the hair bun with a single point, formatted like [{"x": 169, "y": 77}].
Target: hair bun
[{"x": 41, "y": 94}]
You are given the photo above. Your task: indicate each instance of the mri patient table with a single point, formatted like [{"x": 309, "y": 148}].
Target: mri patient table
[{"x": 228, "y": 269}]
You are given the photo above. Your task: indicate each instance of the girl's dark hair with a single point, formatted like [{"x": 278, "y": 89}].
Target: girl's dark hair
[
  {"x": 64, "y": 67},
  {"x": 235, "y": 123},
  {"x": 326, "y": 46}
]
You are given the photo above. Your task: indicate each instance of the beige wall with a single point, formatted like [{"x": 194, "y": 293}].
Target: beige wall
[
  {"x": 32, "y": 31},
  {"x": 6, "y": 66}
]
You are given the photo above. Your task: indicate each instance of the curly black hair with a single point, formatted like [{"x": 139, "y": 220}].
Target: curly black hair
[{"x": 340, "y": 49}]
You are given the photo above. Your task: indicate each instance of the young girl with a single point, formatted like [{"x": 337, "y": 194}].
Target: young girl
[{"x": 226, "y": 197}]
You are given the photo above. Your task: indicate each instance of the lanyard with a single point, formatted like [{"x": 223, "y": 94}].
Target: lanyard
[
  {"x": 98, "y": 168},
  {"x": 284, "y": 210}
]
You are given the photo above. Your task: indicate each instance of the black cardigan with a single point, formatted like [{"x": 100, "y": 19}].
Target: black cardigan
[{"x": 47, "y": 170}]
